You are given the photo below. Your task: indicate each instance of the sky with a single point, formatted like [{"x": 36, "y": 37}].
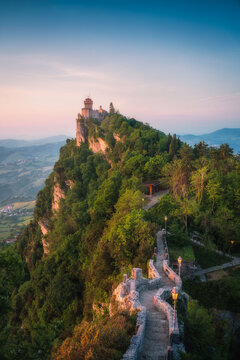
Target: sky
[{"x": 174, "y": 64}]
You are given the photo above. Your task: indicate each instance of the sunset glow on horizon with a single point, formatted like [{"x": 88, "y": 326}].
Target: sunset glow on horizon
[{"x": 175, "y": 66}]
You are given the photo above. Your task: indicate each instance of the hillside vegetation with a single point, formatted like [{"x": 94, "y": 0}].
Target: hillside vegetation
[{"x": 56, "y": 287}]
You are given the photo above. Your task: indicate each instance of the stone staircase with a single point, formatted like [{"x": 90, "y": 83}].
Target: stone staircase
[
  {"x": 155, "y": 343},
  {"x": 156, "y": 339},
  {"x": 157, "y": 336}
]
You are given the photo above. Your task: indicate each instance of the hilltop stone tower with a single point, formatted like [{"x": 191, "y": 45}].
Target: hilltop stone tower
[
  {"x": 87, "y": 110},
  {"x": 87, "y": 113}
]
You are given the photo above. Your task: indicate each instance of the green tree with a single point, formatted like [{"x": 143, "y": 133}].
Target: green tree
[
  {"x": 153, "y": 168},
  {"x": 198, "y": 180},
  {"x": 199, "y": 333},
  {"x": 111, "y": 109}
]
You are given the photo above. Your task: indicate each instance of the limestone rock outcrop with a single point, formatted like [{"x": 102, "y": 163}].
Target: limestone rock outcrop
[
  {"x": 116, "y": 137},
  {"x": 58, "y": 194},
  {"x": 97, "y": 146},
  {"x": 43, "y": 223},
  {"x": 69, "y": 183}
]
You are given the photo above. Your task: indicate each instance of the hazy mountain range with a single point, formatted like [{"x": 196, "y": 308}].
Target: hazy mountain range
[
  {"x": 24, "y": 166},
  {"x": 10, "y": 143},
  {"x": 216, "y": 138}
]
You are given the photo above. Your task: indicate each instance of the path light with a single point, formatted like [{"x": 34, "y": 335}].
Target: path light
[
  {"x": 174, "y": 297},
  {"x": 179, "y": 264},
  {"x": 232, "y": 242},
  {"x": 165, "y": 224}
]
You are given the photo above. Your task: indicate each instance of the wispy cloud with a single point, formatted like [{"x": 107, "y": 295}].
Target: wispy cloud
[
  {"x": 49, "y": 67},
  {"x": 221, "y": 97}
]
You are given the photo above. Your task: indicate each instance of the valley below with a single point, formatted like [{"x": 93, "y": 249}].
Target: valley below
[{"x": 23, "y": 171}]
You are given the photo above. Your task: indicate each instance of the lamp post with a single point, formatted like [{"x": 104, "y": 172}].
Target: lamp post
[
  {"x": 174, "y": 297},
  {"x": 165, "y": 218},
  {"x": 179, "y": 265}
]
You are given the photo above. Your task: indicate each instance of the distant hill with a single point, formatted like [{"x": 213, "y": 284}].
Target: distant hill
[
  {"x": 24, "y": 169},
  {"x": 14, "y": 143},
  {"x": 216, "y": 138}
]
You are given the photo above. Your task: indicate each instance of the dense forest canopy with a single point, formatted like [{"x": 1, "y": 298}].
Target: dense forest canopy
[{"x": 52, "y": 302}]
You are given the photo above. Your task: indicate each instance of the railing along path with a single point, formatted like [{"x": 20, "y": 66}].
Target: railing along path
[{"x": 158, "y": 335}]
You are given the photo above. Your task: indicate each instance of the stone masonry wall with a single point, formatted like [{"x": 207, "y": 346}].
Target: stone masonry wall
[
  {"x": 152, "y": 271},
  {"x": 172, "y": 275},
  {"x": 127, "y": 296},
  {"x": 161, "y": 303},
  {"x": 167, "y": 269}
]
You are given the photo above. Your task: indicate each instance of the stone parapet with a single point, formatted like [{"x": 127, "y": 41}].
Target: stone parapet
[
  {"x": 172, "y": 275},
  {"x": 135, "y": 346},
  {"x": 176, "y": 344},
  {"x": 127, "y": 296},
  {"x": 155, "y": 279},
  {"x": 152, "y": 271},
  {"x": 160, "y": 302}
]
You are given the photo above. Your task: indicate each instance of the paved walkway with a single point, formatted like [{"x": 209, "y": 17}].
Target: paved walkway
[
  {"x": 234, "y": 262},
  {"x": 219, "y": 252},
  {"x": 201, "y": 273},
  {"x": 156, "y": 338},
  {"x": 153, "y": 200}
]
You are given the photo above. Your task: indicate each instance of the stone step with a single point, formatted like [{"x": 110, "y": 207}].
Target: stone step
[
  {"x": 156, "y": 330},
  {"x": 157, "y": 322},
  {"x": 161, "y": 340},
  {"x": 156, "y": 350},
  {"x": 156, "y": 313},
  {"x": 153, "y": 355},
  {"x": 156, "y": 339},
  {"x": 159, "y": 317},
  {"x": 152, "y": 343},
  {"x": 152, "y": 332}
]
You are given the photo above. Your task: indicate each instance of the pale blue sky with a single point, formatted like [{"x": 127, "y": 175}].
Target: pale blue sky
[{"x": 173, "y": 64}]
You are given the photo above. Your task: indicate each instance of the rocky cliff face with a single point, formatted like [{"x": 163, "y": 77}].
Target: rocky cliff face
[
  {"x": 43, "y": 223},
  {"x": 97, "y": 146},
  {"x": 58, "y": 194},
  {"x": 116, "y": 137},
  {"x": 81, "y": 132}
]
